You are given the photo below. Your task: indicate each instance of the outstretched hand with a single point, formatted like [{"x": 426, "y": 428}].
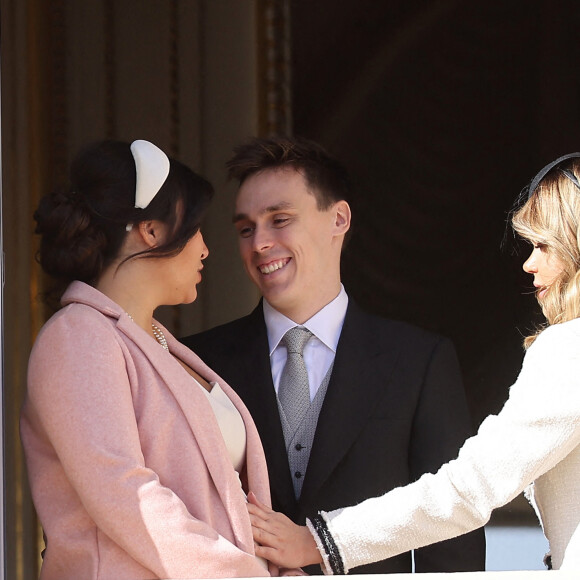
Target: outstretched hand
[{"x": 279, "y": 539}]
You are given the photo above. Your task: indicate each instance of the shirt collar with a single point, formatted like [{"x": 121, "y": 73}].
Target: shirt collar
[{"x": 326, "y": 324}]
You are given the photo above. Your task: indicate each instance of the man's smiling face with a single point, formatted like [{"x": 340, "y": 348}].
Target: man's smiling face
[{"x": 290, "y": 248}]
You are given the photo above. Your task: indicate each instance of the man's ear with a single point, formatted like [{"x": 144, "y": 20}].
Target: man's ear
[
  {"x": 342, "y": 217},
  {"x": 152, "y": 233}
]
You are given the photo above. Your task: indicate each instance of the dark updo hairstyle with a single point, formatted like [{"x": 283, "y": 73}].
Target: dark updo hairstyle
[{"x": 82, "y": 227}]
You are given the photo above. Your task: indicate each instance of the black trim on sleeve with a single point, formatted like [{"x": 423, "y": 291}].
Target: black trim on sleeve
[{"x": 330, "y": 547}]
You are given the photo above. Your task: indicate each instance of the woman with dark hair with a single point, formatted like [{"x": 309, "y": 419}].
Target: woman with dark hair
[
  {"x": 533, "y": 444},
  {"x": 138, "y": 454}
]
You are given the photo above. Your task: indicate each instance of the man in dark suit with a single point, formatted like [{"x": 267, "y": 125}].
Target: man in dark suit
[{"x": 386, "y": 401}]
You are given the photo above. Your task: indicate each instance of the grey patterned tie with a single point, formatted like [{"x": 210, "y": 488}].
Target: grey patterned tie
[{"x": 294, "y": 391}]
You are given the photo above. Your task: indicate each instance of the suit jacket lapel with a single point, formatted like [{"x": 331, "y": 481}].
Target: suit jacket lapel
[
  {"x": 353, "y": 390},
  {"x": 254, "y": 385}
]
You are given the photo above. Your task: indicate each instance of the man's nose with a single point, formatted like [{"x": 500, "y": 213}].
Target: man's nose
[{"x": 262, "y": 240}]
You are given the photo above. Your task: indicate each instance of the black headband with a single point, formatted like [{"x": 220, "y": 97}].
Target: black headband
[{"x": 536, "y": 181}]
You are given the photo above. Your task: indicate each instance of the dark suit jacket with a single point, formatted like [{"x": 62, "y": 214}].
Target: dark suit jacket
[{"x": 395, "y": 408}]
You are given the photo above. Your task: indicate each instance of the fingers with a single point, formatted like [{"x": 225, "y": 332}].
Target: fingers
[
  {"x": 270, "y": 527},
  {"x": 279, "y": 539},
  {"x": 264, "y": 529},
  {"x": 271, "y": 554},
  {"x": 258, "y": 512},
  {"x": 268, "y": 534},
  {"x": 257, "y": 508},
  {"x": 290, "y": 552},
  {"x": 253, "y": 500},
  {"x": 261, "y": 536}
]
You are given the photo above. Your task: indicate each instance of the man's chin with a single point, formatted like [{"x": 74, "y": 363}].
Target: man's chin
[
  {"x": 272, "y": 286},
  {"x": 279, "y": 298}
]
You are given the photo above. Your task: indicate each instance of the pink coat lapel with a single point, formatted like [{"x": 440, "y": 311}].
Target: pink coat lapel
[{"x": 204, "y": 425}]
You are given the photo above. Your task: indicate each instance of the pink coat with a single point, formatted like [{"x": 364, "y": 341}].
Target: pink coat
[{"x": 128, "y": 469}]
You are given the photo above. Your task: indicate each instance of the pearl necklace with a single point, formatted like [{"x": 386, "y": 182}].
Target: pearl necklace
[
  {"x": 159, "y": 336},
  {"x": 157, "y": 333}
]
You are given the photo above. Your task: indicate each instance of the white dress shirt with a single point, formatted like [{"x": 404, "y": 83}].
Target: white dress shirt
[{"x": 325, "y": 325}]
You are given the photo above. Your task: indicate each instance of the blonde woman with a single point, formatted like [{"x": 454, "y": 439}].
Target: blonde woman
[{"x": 533, "y": 444}]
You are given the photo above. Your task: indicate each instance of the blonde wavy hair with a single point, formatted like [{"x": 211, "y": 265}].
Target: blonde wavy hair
[{"x": 551, "y": 217}]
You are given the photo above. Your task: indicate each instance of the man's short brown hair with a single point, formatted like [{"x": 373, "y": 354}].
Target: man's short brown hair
[{"x": 325, "y": 176}]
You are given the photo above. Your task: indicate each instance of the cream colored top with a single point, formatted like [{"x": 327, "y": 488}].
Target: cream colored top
[
  {"x": 230, "y": 423},
  {"x": 535, "y": 437}
]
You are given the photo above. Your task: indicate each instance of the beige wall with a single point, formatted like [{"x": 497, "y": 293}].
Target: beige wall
[
  {"x": 184, "y": 75},
  {"x": 22, "y": 122}
]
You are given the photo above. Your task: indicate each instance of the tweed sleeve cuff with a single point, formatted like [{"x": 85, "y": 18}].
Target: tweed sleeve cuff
[{"x": 332, "y": 562}]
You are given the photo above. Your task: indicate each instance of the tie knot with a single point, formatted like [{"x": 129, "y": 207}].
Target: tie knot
[{"x": 296, "y": 338}]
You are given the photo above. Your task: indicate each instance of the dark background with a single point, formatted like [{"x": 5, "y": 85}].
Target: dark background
[{"x": 442, "y": 111}]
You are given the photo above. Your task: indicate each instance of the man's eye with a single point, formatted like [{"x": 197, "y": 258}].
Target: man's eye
[
  {"x": 245, "y": 232},
  {"x": 279, "y": 222}
]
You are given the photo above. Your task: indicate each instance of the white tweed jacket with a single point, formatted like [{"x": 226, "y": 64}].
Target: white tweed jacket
[{"x": 534, "y": 440}]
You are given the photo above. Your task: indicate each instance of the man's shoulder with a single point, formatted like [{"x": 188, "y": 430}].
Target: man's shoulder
[
  {"x": 224, "y": 333},
  {"x": 360, "y": 321}
]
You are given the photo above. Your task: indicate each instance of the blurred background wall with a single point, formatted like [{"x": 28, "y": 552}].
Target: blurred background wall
[{"x": 443, "y": 110}]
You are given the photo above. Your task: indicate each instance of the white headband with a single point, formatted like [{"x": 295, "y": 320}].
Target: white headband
[
  {"x": 152, "y": 167},
  {"x": 152, "y": 170}
]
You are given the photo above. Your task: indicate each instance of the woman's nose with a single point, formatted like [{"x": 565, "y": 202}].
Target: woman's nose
[
  {"x": 205, "y": 251},
  {"x": 529, "y": 265}
]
